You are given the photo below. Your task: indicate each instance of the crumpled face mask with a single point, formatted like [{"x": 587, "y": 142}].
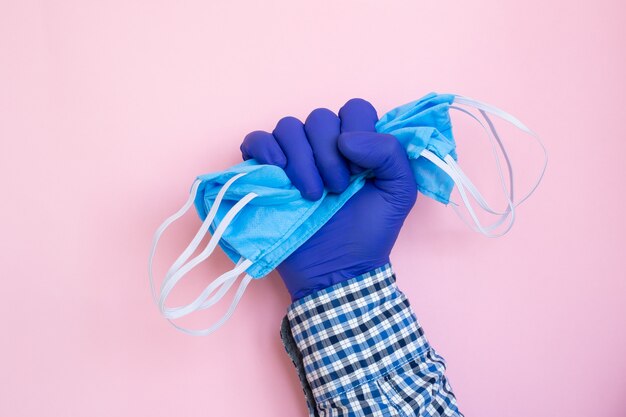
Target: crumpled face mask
[{"x": 259, "y": 218}]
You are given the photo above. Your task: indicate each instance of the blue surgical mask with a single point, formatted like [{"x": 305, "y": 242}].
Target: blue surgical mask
[{"x": 259, "y": 218}]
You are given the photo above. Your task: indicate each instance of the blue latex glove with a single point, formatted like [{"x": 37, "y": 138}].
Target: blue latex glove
[{"x": 324, "y": 152}]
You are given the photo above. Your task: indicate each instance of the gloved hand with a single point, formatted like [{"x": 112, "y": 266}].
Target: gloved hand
[{"x": 324, "y": 152}]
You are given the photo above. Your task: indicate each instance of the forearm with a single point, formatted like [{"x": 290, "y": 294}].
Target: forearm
[{"x": 359, "y": 345}]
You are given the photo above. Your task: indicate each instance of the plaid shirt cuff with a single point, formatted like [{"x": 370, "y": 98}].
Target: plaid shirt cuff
[{"x": 354, "y": 332}]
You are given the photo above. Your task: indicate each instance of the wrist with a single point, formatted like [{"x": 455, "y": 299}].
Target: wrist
[{"x": 302, "y": 282}]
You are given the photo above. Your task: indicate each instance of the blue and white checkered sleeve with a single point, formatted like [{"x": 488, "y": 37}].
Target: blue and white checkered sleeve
[{"x": 359, "y": 351}]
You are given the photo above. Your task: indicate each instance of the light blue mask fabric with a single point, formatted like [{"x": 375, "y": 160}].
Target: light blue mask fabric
[
  {"x": 259, "y": 218},
  {"x": 425, "y": 124},
  {"x": 279, "y": 220},
  {"x": 276, "y": 222}
]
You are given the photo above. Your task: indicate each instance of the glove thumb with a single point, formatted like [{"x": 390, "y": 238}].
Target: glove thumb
[{"x": 384, "y": 155}]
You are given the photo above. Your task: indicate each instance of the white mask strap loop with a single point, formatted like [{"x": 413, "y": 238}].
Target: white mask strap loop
[
  {"x": 495, "y": 111},
  {"x": 444, "y": 166},
  {"x": 195, "y": 242},
  {"x": 464, "y": 184},
  {"x": 216, "y": 290},
  {"x": 169, "y": 284},
  {"x": 484, "y": 107},
  {"x": 468, "y": 183},
  {"x": 508, "y": 214},
  {"x": 197, "y": 238},
  {"x": 231, "y": 309},
  {"x": 223, "y": 282},
  {"x": 163, "y": 227},
  {"x": 496, "y": 136}
]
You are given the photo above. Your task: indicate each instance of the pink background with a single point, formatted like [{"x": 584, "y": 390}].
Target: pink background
[{"x": 109, "y": 109}]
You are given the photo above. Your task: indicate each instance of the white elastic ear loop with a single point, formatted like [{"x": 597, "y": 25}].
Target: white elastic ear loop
[
  {"x": 508, "y": 215},
  {"x": 199, "y": 235},
  {"x": 509, "y": 212},
  {"x": 470, "y": 185},
  {"x": 496, "y": 136},
  {"x": 484, "y": 107},
  {"x": 163, "y": 227},
  {"x": 180, "y": 273},
  {"x": 223, "y": 282},
  {"x": 461, "y": 188},
  {"x": 204, "y": 332},
  {"x": 193, "y": 245}
]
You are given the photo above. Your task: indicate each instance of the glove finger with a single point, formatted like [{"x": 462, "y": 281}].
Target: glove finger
[
  {"x": 300, "y": 167},
  {"x": 322, "y": 130},
  {"x": 263, "y": 147},
  {"x": 358, "y": 115}
]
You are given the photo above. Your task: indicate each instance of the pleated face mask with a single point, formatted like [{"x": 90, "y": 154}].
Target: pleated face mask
[{"x": 259, "y": 218}]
